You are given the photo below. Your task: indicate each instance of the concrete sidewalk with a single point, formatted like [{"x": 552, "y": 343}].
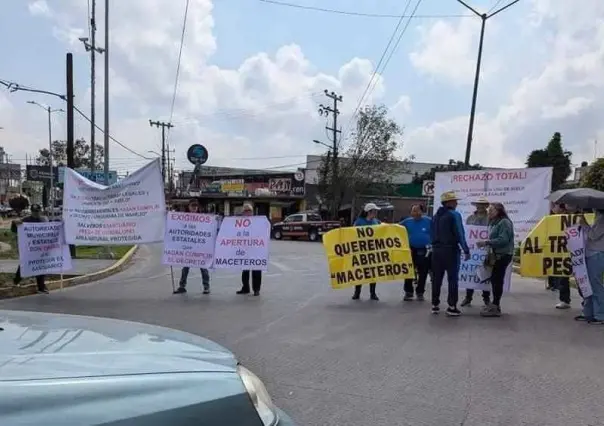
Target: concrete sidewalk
[{"x": 80, "y": 266}]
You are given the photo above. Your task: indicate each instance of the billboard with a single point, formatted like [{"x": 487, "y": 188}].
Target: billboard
[{"x": 40, "y": 174}]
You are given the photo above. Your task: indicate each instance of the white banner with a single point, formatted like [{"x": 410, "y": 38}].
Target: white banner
[
  {"x": 472, "y": 273},
  {"x": 575, "y": 243},
  {"x": 242, "y": 243},
  {"x": 190, "y": 240},
  {"x": 42, "y": 249},
  {"x": 131, "y": 211},
  {"x": 521, "y": 191}
]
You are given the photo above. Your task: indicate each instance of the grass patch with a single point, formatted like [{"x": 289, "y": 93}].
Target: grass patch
[
  {"x": 6, "y": 279},
  {"x": 9, "y": 238},
  {"x": 101, "y": 252}
]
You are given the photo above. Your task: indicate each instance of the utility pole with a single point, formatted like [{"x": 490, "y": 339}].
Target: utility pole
[
  {"x": 334, "y": 112},
  {"x": 106, "y": 96},
  {"x": 163, "y": 126},
  {"x": 169, "y": 167},
  {"x": 91, "y": 47},
  {"x": 483, "y": 17},
  {"x": 70, "y": 129}
]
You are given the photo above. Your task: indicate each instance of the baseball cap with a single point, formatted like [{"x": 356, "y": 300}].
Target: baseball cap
[{"x": 370, "y": 206}]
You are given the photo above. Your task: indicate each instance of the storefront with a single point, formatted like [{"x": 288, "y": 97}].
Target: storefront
[{"x": 274, "y": 195}]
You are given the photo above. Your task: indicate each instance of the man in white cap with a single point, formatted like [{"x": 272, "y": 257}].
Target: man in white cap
[
  {"x": 367, "y": 217},
  {"x": 448, "y": 240},
  {"x": 480, "y": 217}
]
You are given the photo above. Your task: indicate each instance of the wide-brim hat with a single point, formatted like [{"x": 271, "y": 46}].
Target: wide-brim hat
[
  {"x": 481, "y": 201},
  {"x": 448, "y": 196}
]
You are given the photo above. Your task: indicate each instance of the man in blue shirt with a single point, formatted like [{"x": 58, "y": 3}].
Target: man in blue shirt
[
  {"x": 418, "y": 229},
  {"x": 448, "y": 240}
]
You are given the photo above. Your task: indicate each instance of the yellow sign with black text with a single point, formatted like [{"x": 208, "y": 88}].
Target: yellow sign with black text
[
  {"x": 543, "y": 253},
  {"x": 368, "y": 254}
]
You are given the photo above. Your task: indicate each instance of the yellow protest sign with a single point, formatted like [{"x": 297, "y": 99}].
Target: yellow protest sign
[
  {"x": 368, "y": 254},
  {"x": 543, "y": 253}
]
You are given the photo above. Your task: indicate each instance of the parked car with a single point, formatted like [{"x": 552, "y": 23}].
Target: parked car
[
  {"x": 306, "y": 225},
  {"x": 58, "y": 369}
]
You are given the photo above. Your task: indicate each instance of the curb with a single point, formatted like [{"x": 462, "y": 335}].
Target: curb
[{"x": 120, "y": 265}]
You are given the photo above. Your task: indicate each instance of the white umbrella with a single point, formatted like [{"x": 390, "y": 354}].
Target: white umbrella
[{"x": 584, "y": 198}]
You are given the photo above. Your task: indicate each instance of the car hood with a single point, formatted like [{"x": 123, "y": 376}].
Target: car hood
[{"x": 37, "y": 346}]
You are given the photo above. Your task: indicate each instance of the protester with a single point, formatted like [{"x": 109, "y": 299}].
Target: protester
[
  {"x": 418, "y": 228},
  {"x": 448, "y": 236},
  {"x": 367, "y": 217},
  {"x": 480, "y": 217},
  {"x": 593, "y": 306},
  {"x": 205, "y": 274},
  {"x": 35, "y": 217},
  {"x": 248, "y": 210},
  {"x": 501, "y": 243},
  {"x": 562, "y": 284}
]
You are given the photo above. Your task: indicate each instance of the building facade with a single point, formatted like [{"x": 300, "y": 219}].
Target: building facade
[{"x": 225, "y": 190}]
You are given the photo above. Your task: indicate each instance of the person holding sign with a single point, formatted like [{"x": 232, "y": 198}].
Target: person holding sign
[
  {"x": 480, "y": 217},
  {"x": 593, "y": 308},
  {"x": 248, "y": 210},
  {"x": 367, "y": 217},
  {"x": 418, "y": 227},
  {"x": 35, "y": 217},
  {"x": 501, "y": 242},
  {"x": 205, "y": 274},
  {"x": 448, "y": 236}
]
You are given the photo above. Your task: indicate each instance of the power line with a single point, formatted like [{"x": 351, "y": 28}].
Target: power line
[
  {"x": 376, "y": 70},
  {"x": 110, "y": 137},
  {"x": 182, "y": 42},
  {"x": 497, "y": 3},
  {"x": 359, "y": 14}
]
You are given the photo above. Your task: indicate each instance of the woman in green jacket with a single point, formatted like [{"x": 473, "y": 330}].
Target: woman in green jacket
[{"x": 501, "y": 242}]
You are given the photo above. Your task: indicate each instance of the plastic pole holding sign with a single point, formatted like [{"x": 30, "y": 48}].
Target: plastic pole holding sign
[{"x": 544, "y": 252}]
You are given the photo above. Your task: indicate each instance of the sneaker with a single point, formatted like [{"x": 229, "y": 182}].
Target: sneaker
[
  {"x": 491, "y": 311},
  {"x": 180, "y": 290},
  {"x": 206, "y": 291},
  {"x": 582, "y": 318},
  {"x": 420, "y": 298},
  {"x": 466, "y": 302},
  {"x": 563, "y": 305},
  {"x": 356, "y": 296},
  {"x": 243, "y": 291},
  {"x": 408, "y": 298},
  {"x": 374, "y": 297},
  {"x": 435, "y": 310},
  {"x": 595, "y": 322},
  {"x": 452, "y": 311},
  {"x": 256, "y": 293},
  {"x": 44, "y": 291}
]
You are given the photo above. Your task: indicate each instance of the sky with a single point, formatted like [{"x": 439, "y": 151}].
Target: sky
[{"x": 253, "y": 73}]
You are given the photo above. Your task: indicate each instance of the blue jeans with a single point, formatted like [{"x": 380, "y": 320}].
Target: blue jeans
[
  {"x": 593, "y": 306},
  {"x": 205, "y": 278},
  {"x": 445, "y": 260}
]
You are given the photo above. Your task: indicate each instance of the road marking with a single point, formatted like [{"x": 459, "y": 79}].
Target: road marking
[{"x": 280, "y": 265}]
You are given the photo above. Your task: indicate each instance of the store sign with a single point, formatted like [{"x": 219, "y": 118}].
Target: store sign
[
  {"x": 41, "y": 173},
  {"x": 197, "y": 154},
  {"x": 283, "y": 185},
  {"x": 280, "y": 185}
]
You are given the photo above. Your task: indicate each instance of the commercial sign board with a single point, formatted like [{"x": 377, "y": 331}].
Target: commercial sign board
[
  {"x": 281, "y": 185},
  {"x": 41, "y": 173},
  {"x": 197, "y": 154},
  {"x": 10, "y": 171},
  {"x": 98, "y": 176}
]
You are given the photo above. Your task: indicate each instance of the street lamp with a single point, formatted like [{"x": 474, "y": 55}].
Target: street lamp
[
  {"x": 483, "y": 17},
  {"x": 49, "y": 110}
]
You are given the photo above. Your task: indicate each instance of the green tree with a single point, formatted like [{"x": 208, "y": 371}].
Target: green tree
[
  {"x": 453, "y": 166},
  {"x": 594, "y": 178},
  {"x": 553, "y": 155},
  {"x": 18, "y": 203},
  {"x": 370, "y": 159},
  {"x": 81, "y": 155}
]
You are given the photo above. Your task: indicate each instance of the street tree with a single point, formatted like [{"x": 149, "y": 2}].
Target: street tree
[
  {"x": 594, "y": 178},
  {"x": 81, "y": 154},
  {"x": 18, "y": 203},
  {"x": 369, "y": 161},
  {"x": 453, "y": 166},
  {"x": 553, "y": 155}
]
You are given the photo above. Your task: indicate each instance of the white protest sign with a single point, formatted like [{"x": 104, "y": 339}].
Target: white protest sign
[
  {"x": 575, "y": 243},
  {"x": 472, "y": 273},
  {"x": 42, "y": 249},
  {"x": 189, "y": 240},
  {"x": 242, "y": 243},
  {"x": 131, "y": 211},
  {"x": 521, "y": 191}
]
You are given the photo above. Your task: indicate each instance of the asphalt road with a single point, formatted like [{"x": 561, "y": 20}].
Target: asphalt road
[{"x": 328, "y": 360}]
